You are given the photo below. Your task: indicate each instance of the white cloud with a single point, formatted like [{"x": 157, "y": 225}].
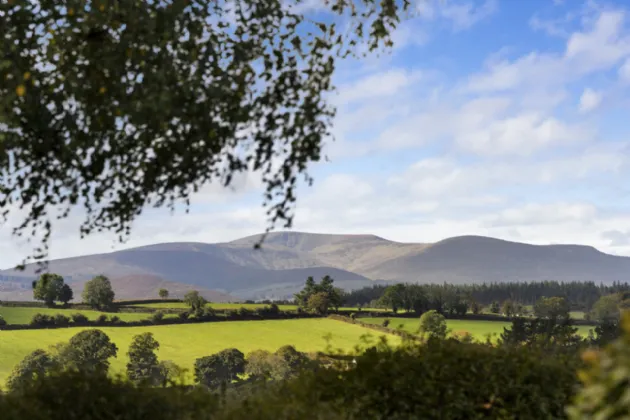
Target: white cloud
[
  {"x": 598, "y": 47},
  {"x": 590, "y": 100},
  {"x": 543, "y": 214},
  {"x": 377, "y": 85},
  {"x": 624, "y": 72},
  {"x": 461, "y": 15}
]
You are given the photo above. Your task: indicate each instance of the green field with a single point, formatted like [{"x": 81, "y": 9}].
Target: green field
[
  {"x": 478, "y": 329},
  {"x": 184, "y": 343},
  {"x": 23, "y": 315}
]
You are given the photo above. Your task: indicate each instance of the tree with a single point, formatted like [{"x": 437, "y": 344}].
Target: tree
[
  {"x": 35, "y": 365},
  {"x": 551, "y": 307},
  {"x": 87, "y": 351},
  {"x": 318, "y": 303},
  {"x": 494, "y": 307},
  {"x": 66, "y": 294},
  {"x": 393, "y": 297},
  {"x": 433, "y": 325},
  {"x": 222, "y": 367},
  {"x": 143, "y": 366},
  {"x": 169, "y": 373},
  {"x": 229, "y": 97},
  {"x": 194, "y": 300},
  {"x": 48, "y": 288},
  {"x": 98, "y": 292},
  {"x": 283, "y": 364},
  {"x": 607, "y": 307},
  {"x": 163, "y": 293},
  {"x": 319, "y": 297},
  {"x": 475, "y": 308},
  {"x": 508, "y": 308}
]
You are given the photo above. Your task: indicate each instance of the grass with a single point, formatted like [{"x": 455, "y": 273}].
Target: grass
[
  {"x": 23, "y": 315},
  {"x": 184, "y": 343},
  {"x": 478, "y": 329}
]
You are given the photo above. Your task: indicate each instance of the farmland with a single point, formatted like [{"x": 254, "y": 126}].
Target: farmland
[
  {"x": 23, "y": 315},
  {"x": 478, "y": 329},
  {"x": 184, "y": 343}
]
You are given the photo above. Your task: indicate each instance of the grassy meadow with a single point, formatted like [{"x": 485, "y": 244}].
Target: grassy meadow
[
  {"x": 23, "y": 315},
  {"x": 184, "y": 343},
  {"x": 478, "y": 329}
]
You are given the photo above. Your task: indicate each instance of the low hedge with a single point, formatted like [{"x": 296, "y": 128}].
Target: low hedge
[{"x": 42, "y": 321}]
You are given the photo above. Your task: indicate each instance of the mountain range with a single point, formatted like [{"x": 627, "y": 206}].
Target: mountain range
[{"x": 235, "y": 270}]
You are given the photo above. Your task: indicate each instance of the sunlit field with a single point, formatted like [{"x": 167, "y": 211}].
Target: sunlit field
[
  {"x": 23, "y": 315},
  {"x": 184, "y": 343}
]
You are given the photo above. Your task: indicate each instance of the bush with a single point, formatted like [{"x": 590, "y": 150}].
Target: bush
[
  {"x": 102, "y": 319},
  {"x": 79, "y": 318},
  {"x": 61, "y": 320},
  {"x": 42, "y": 320},
  {"x": 3, "y": 321},
  {"x": 385, "y": 323},
  {"x": 244, "y": 312},
  {"x": 183, "y": 315},
  {"x": 157, "y": 317},
  {"x": 114, "y": 319}
]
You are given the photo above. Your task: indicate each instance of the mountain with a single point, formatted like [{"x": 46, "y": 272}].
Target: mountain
[{"x": 234, "y": 270}]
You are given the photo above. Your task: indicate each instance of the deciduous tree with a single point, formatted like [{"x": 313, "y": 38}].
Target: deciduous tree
[
  {"x": 143, "y": 366},
  {"x": 98, "y": 292},
  {"x": 48, "y": 288},
  {"x": 222, "y": 367},
  {"x": 433, "y": 325}
]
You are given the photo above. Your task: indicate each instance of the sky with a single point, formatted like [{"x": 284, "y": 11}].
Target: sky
[{"x": 499, "y": 118}]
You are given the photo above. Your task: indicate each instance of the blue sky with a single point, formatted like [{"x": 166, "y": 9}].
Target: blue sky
[{"x": 500, "y": 118}]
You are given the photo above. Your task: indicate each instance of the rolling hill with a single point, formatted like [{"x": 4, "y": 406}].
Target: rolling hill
[{"x": 234, "y": 270}]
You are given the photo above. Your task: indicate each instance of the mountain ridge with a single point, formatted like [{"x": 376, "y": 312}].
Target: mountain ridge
[{"x": 235, "y": 269}]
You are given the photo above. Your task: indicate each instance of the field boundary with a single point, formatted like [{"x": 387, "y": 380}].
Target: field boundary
[{"x": 376, "y": 327}]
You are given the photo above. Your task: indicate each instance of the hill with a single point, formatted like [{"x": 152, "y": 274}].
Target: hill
[{"x": 231, "y": 270}]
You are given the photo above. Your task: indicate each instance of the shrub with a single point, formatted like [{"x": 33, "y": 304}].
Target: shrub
[
  {"x": 3, "y": 321},
  {"x": 61, "y": 320},
  {"x": 79, "y": 318},
  {"x": 183, "y": 315},
  {"x": 42, "y": 320},
  {"x": 385, "y": 323},
  {"x": 114, "y": 319},
  {"x": 244, "y": 312},
  {"x": 102, "y": 319},
  {"x": 209, "y": 312},
  {"x": 157, "y": 317}
]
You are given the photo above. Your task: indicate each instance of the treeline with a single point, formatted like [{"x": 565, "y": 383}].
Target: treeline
[{"x": 580, "y": 295}]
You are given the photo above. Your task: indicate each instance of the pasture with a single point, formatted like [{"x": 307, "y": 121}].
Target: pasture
[
  {"x": 23, "y": 315},
  {"x": 183, "y": 344},
  {"x": 478, "y": 329}
]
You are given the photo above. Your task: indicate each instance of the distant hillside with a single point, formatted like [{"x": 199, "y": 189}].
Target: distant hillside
[{"x": 235, "y": 270}]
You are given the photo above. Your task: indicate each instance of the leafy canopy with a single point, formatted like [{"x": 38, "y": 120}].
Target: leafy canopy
[{"x": 113, "y": 106}]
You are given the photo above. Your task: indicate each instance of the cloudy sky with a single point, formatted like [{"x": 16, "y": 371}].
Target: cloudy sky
[{"x": 501, "y": 118}]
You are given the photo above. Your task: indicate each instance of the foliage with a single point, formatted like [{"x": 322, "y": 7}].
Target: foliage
[
  {"x": 143, "y": 366},
  {"x": 169, "y": 373},
  {"x": 318, "y": 302},
  {"x": 49, "y": 288},
  {"x": 607, "y": 331},
  {"x": 608, "y": 307},
  {"x": 286, "y": 362},
  {"x": 605, "y": 391},
  {"x": 494, "y": 307},
  {"x": 163, "y": 293},
  {"x": 157, "y": 316},
  {"x": 580, "y": 295},
  {"x": 3, "y": 321},
  {"x": 61, "y": 320},
  {"x": 194, "y": 300},
  {"x": 87, "y": 351},
  {"x": 190, "y": 92},
  {"x": 439, "y": 380},
  {"x": 222, "y": 367},
  {"x": 319, "y": 297},
  {"x": 98, "y": 292},
  {"x": 35, "y": 365},
  {"x": 475, "y": 308},
  {"x": 433, "y": 325},
  {"x": 545, "y": 333},
  {"x": 551, "y": 308},
  {"x": 42, "y": 320},
  {"x": 508, "y": 308},
  {"x": 66, "y": 294}
]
